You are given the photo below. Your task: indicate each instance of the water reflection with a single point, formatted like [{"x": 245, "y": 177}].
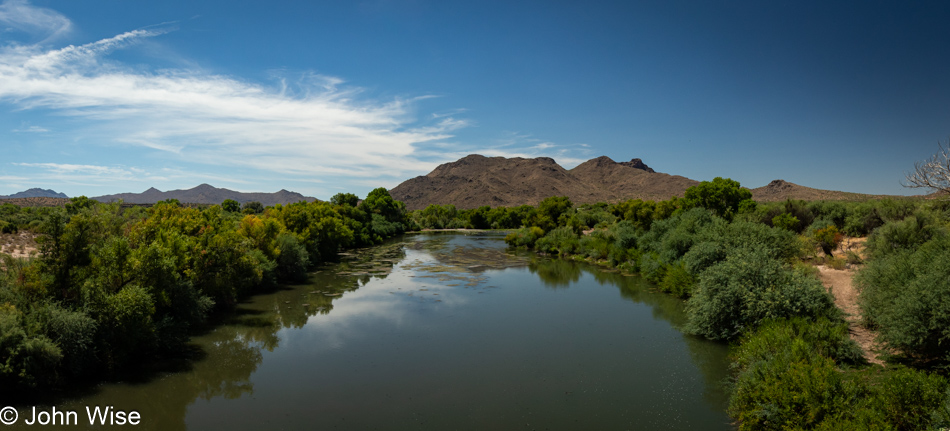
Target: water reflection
[{"x": 436, "y": 332}]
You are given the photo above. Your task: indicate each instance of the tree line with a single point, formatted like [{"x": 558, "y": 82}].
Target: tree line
[{"x": 114, "y": 286}]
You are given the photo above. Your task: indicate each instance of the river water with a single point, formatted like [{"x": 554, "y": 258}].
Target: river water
[{"x": 438, "y": 332}]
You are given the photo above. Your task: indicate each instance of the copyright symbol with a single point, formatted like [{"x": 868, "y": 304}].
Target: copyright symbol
[{"x": 8, "y": 415}]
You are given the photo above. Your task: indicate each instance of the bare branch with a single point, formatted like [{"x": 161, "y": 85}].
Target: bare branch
[{"x": 933, "y": 173}]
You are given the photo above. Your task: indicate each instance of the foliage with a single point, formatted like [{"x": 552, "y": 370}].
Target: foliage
[
  {"x": 750, "y": 286},
  {"x": 786, "y": 221},
  {"x": 553, "y": 211},
  {"x": 561, "y": 240},
  {"x": 113, "y": 287},
  {"x": 524, "y": 237},
  {"x": 788, "y": 378},
  {"x": 252, "y": 207},
  {"x": 906, "y": 234},
  {"x": 231, "y": 206},
  {"x": 721, "y": 195},
  {"x": 345, "y": 199},
  {"x": 828, "y": 239},
  {"x": 906, "y": 296}
]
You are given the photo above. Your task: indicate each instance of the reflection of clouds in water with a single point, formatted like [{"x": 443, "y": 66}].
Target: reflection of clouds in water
[{"x": 396, "y": 299}]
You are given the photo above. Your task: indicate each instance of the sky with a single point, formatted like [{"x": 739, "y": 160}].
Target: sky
[{"x": 318, "y": 97}]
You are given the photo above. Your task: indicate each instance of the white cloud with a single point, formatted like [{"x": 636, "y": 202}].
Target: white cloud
[
  {"x": 307, "y": 127},
  {"x": 37, "y": 21},
  {"x": 311, "y": 126}
]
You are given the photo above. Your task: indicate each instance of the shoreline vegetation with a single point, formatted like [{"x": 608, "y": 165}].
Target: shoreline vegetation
[
  {"x": 749, "y": 276},
  {"x": 114, "y": 286}
]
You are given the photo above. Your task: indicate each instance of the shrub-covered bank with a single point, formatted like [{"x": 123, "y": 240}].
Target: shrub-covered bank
[
  {"x": 114, "y": 287},
  {"x": 742, "y": 270}
]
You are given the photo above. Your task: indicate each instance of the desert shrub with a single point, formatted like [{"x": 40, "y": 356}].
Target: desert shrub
[
  {"x": 740, "y": 235},
  {"x": 834, "y": 212},
  {"x": 788, "y": 377},
  {"x": 906, "y": 295},
  {"x": 828, "y": 239},
  {"x": 864, "y": 218},
  {"x": 906, "y": 234},
  {"x": 786, "y": 221},
  {"x": 733, "y": 296},
  {"x": 836, "y": 262}
]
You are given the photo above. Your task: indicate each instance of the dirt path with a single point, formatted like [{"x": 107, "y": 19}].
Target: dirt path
[{"x": 839, "y": 283}]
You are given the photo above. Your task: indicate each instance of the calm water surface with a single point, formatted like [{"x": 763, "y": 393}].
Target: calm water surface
[{"x": 441, "y": 332}]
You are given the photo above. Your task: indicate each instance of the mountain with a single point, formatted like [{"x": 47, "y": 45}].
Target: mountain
[
  {"x": 206, "y": 194},
  {"x": 36, "y": 193},
  {"x": 630, "y": 180},
  {"x": 476, "y": 180}
]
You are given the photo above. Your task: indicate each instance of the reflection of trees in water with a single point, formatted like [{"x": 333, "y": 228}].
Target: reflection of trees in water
[
  {"x": 555, "y": 273},
  {"x": 708, "y": 356},
  {"x": 224, "y": 359},
  {"x": 224, "y": 366}
]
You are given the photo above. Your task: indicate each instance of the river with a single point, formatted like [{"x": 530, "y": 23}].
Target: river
[{"x": 437, "y": 332}]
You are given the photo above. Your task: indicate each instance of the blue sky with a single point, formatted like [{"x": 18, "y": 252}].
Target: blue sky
[{"x": 318, "y": 97}]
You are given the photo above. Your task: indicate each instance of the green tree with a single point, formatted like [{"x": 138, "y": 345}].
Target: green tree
[
  {"x": 230, "y": 205},
  {"x": 721, "y": 195},
  {"x": 551, "y": 210},
  {"x": 345, "y": 199},
  {"x": 252, "y": 207}
]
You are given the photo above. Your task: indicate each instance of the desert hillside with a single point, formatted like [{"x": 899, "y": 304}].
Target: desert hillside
[{"x": 475, "y": 180}]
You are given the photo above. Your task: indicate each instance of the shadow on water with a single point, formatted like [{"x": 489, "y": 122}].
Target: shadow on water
[{"x": 706, "y": 355}]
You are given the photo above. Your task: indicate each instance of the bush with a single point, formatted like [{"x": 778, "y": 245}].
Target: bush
[
  {"x": 788, "y": 378},
  {"x": 561, "y": 240},
  {"x": 524, "y": 237},
  {"x": 828, "y": 239},
  {"x": 906, "y": 295},
  {"x": 903, "y": 235},
  {"x": 786, "y": 221},
  {"x": 677, "y": 281},
  {"x": 733, "y": 296}
]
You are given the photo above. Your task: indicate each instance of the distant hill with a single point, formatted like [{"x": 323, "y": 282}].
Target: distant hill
[
  {"x": 475, "y": 180},
  {"x": 36, "y": 193},
  {"x": 206, "y": 194},
  {"x": 780, "y": 190}
]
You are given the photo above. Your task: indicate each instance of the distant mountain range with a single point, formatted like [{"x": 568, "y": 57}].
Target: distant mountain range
[
  {"x": 36, "y": 193},
  {"x": 206, "y": 194},
  {"x": 475, "y": 180}
]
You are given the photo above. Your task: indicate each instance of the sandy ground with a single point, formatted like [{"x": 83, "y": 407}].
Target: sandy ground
[
  {"x": 18, "y": 245},
  {"x": 839, "y": 283}
]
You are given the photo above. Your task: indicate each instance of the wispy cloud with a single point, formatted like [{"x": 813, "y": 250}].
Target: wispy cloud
[
  {"x": 304, "y": 127},
  {"x": 26, "y": 128},
  {"x": 37, "y": 21},
  {"x": 310, "y": 125}
]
